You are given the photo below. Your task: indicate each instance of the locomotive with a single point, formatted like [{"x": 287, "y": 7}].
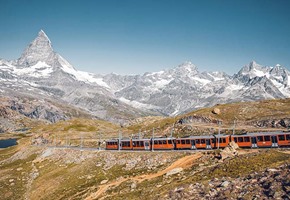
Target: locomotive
[{"x": 249, "y": 140}]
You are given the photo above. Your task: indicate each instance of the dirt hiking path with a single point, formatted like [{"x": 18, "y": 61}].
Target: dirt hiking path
[{"x": 184, "y": 162}]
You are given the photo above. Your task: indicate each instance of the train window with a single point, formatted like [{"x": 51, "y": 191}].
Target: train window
[
  {"x": 187, "y": 141},
  {"x": 260, "y": 138},
  {"x": 241, "y": 139},
  {"x": 235, "y": 139},
  {"x": 164, "y": 141},
  {"x": 213, "y": 140},
  {"x": 202, "y": 141},
  {"x": 169, "y": 141},
  {"x": 155, "y": 142},
  {"x": 142, "y": 144},
  {"x": 246, "y": 139},
  {"x": 267, "y": 138},
  {"x": 287, "y": 137},
  {"x": 281, "y": 137},
  {"x": 182, "y": 141},
  {"x": 147, "y": 144},
  {"x": 178, "y": 141},
  {"x": 222, "y": 140},
  {"x": 197, "y": 141},
  {"x": 134, "y": 144},
  {"x": 160, "y": 142}
]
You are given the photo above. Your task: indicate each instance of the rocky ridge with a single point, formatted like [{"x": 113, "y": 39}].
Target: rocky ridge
[{"x": 42, "y": 72}]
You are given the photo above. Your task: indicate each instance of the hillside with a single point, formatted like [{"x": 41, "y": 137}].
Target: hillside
[
  {"x": 39, "y": 172},
  {"x": 244, "y": 116},
  {"x": 56, "y": 161}
]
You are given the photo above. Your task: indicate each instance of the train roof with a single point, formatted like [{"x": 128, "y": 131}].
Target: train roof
[
  {"x": 165, "y": 138},
  {"x": 204, "y": 136},
  {"x": 199, "y": 137},
  {"x": 262, "y": 133},
  {"x": 141, "y": 139},
  {"x": 112, "y": 140}
]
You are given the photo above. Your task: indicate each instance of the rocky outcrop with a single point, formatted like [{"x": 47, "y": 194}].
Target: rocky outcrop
[
  {"x": 196, "y": 119},
  {"x": 269, "y": 184},
  {"x": 273, "y": 123}
]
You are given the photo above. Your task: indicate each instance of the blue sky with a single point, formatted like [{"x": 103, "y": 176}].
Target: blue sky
[{"x": 137, "y": 36}]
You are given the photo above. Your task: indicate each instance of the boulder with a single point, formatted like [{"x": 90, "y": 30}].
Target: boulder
[
  {"x": 174, "y": 171},
  {"x": 216, "y": 111}
]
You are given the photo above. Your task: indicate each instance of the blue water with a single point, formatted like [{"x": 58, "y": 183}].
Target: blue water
[{"x": 7, "y": 143}]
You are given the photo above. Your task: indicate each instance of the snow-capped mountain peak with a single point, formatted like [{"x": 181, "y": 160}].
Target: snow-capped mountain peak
[
  {"x": 42, "y": 71},
  {"x": 252, "y": 70},
  {"x": 39, "y": 49},
  {"x": 187, "y": 67}
]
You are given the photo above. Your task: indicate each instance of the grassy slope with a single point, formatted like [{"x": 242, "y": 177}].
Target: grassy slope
[{"x": 244, "y": 113}]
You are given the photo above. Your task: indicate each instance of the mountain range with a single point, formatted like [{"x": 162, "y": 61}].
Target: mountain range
[{"x": 41, "y": 73}]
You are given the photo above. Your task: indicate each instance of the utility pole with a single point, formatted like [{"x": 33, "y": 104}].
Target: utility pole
[
  {"x": 82, "y": 140},
  {"x": 120, "y": 137},
  {"x": 219, "y": 132},
  {"x": 153, "y": 139},
  {"x": 99, "y": 140},
  {"x": 234, "y": 127}
]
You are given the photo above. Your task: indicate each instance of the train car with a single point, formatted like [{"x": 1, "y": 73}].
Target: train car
[
  {"x": 163, "y": 143},
  {"x": 201, "y": 142},
  {"x": 270, "y": 139},
  {"x": 184, "y": 143},
  {"x": 141, "y": 144},
  {"x": 243, "y": 141},
  {"x": 283, "y": 139},
  {"x": 112, "y": 144},
  {"x": 126, "y": 144},
  {"x": 264, "y": 139},
  {"x": 220, "y": 141}
]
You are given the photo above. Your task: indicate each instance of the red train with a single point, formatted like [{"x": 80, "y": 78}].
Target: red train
[{"x": 249, "y": 140}]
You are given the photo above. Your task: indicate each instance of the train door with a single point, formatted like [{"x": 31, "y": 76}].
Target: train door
[
  {"x": 147, "y": 145},
  {"x": 274, "y": 141},
  {"x": 254, "y": 142},
  {"x": 120, "y": 145},
  {"x": 193, "y": 144},
  {"x": 208, "y": 145}
]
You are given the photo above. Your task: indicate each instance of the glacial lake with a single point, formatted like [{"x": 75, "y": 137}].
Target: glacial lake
[{"x": 7, "y": 143}]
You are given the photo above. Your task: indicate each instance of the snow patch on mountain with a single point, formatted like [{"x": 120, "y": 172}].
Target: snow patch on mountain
[
  {"x": 201, "y": 80},
  {"x": 40, "y": 69},
  {"x": 137, "y": 104}
]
